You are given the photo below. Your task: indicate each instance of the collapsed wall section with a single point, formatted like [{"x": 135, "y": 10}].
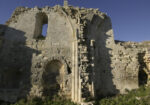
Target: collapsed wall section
[
  {"x": 136, "y": 53},
  {"x": 125, "y": 68},
  {"x": 100, "y": 41},
  {"x": 113, "y": 67}
]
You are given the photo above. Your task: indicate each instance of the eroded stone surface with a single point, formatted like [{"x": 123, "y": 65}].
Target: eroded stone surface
[
  {"x": 147, "y": 63},
  {"x": 78, "y": 58}
]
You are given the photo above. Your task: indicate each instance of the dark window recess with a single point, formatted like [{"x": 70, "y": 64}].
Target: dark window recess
[
  {"x": 69, "y": 70},
  {"x": 41, "y": 26}
]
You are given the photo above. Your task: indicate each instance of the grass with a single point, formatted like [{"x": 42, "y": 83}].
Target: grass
[
  {"x": 140, "y": 96},
  {"x": 47, "y": 101},
  {"x": 39, "y": 101},
  {"x": 134, "y": 97}
]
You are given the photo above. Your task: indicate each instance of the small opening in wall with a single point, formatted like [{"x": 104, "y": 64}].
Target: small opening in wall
[
  {"x": 69, "y": 70},
  {"x": 44, "y": 30}
]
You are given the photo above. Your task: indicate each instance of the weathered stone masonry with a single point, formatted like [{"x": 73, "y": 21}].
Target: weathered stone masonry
[{"x": 78, "y": 59}]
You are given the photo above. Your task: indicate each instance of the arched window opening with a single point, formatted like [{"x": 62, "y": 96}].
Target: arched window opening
[{"x": 41, "y": 26}]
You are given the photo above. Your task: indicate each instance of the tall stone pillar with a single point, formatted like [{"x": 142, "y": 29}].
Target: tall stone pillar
[{"x": 76, "y": 83}]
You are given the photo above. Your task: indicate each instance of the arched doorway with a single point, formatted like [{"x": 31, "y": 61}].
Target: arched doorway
[{"x": 53, "y": 78}]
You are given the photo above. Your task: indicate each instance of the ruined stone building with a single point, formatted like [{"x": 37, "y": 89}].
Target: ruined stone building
[{"x": 77, "y": 59}]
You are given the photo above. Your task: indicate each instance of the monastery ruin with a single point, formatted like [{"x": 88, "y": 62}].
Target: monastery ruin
[{"x": 77, "y": 59}]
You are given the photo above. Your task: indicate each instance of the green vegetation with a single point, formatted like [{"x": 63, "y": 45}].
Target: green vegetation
[
  {"x": 140, "y": 96},
  {"x": 47, "y": 101},
  {"x": 135, "y": 97}
]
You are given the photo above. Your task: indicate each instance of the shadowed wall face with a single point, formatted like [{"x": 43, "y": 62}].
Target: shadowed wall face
[
  {"x": 15, "y": 66},
  {"x": 11, "y": 79}
]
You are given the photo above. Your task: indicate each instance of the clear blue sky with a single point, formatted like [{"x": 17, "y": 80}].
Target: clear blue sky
[{"x": 130, "y": 18}]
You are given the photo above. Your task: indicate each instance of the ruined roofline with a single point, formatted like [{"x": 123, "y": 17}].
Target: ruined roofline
[
  {"x": 132, "y": 44},
  {"x": 21, "y": 10},
  {"x": 121, "y": 41}
]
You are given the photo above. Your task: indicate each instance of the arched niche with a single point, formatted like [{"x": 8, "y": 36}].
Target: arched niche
[{"x": 55, "y": 79}]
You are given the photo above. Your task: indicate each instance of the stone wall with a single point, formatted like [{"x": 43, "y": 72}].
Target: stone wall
[
  {"x": 0, "y": 42},
  {"x": 2, "y": 31},
  {"x": 77, "y": 59},
  {"x": 136, "y": 52}
]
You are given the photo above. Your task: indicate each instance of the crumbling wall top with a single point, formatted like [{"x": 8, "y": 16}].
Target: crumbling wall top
[
  {"x": 16, "y": 13},
  {"x": 70, "y": 11}
]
